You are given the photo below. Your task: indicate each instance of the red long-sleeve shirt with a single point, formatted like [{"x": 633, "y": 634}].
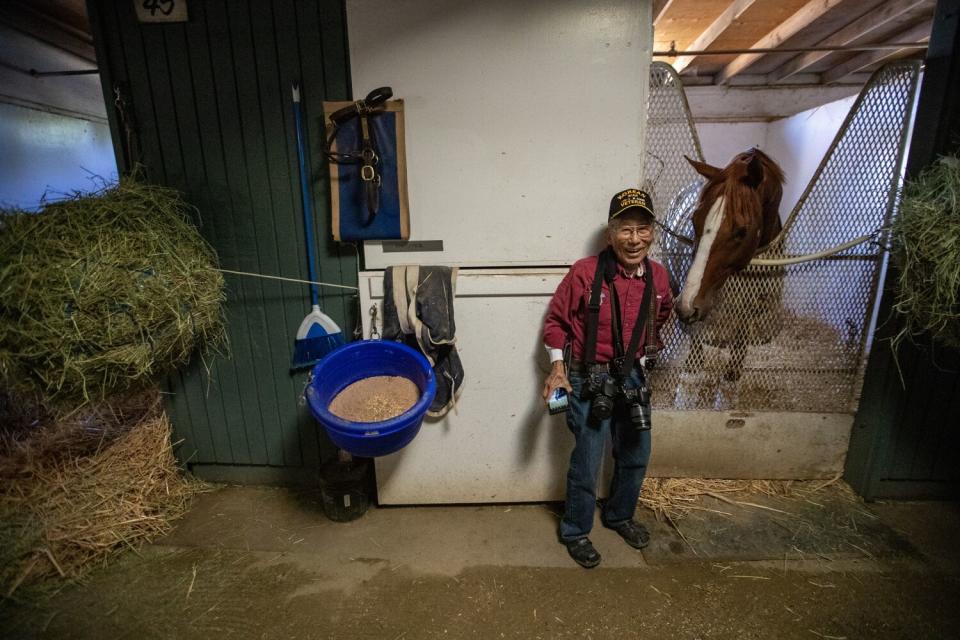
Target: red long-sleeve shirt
[{"x": 567, "y": 315}]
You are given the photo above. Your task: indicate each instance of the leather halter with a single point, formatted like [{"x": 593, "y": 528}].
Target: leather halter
[{"x": 367, "y": 155}]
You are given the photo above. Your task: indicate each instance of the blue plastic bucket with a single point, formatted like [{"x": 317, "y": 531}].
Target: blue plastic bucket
[{"x": 364, "y": 359}]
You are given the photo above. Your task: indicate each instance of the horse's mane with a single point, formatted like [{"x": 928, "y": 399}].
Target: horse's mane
[
  {"x": 776, "y": 173},
  {"x": 769, "y": 192}
]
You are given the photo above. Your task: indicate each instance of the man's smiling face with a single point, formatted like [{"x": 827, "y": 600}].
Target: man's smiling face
[{"x": 631, "y": 234}]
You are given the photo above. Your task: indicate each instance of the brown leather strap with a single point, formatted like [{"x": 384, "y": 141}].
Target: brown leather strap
[{"x": 367, "y": 156}]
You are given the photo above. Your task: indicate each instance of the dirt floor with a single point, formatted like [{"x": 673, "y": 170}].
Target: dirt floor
[{"x": 266, "y": 563}]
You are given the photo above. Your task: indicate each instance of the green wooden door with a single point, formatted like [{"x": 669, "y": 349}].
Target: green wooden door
[
  {"x": 905, "y": 442},
  {"x": 208, "y": 106}
]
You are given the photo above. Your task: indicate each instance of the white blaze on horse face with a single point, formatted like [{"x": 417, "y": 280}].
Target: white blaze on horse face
[{"x": 695, "y": 276}]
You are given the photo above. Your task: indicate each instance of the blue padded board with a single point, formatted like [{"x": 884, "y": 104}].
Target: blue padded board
[{"x": 353, "y": 208}]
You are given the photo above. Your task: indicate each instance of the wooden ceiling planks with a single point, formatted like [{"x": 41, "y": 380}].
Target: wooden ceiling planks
[
  {"x": 687, "y": 20},
  {"x": 717, "y": 28},
  {"x": 869, "y": 27},
  {"x": 762, "y": 18},
  {"x": 659, "y": 8},
  {"x": 745, "y": 24},
  {"x": 786, "y": 33},
  {"x": 683, "y": 20},
  {"x": 889, "y": 32},
  {"x": 821, "y": 28},
  {"x": 871, "y": 59}
]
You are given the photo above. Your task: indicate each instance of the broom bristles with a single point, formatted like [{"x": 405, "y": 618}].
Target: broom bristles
[{"x": 309, "y": 351}]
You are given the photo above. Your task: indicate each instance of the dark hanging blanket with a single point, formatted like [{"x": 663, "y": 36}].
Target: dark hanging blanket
[{"x": 418, "y": 310}]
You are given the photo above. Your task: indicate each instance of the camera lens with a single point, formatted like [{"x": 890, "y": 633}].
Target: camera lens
[
  {"x": 643, "y": 395},
  {"x": 602, "y": 407},
  {"x": 640, "y": 416}
]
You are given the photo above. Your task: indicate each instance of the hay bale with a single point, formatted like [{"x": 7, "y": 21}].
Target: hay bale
[
  {"x": 73, "y": 493},
  {"x": 103, "y": 293},
  {"x": 926, "y": 249}
]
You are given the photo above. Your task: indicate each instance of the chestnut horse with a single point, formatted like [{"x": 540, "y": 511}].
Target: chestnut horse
[{"x": 737, "y": 214}]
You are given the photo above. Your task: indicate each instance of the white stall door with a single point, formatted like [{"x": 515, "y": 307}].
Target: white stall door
[{"x": 499, "y": 444}]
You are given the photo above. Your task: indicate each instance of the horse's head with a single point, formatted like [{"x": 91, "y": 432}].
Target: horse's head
[{"x": 738, "y": 212}]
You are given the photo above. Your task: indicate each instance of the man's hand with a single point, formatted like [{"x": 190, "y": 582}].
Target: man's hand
[{"x": 556, "y": 378}]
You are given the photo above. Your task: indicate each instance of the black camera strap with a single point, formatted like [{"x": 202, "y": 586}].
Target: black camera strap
[
  {"x": 593, "y": 311},
  {"x": 616, "y": 321},
  {"x": 606, "y": 270},
  {"x": 627, "y": 358}
]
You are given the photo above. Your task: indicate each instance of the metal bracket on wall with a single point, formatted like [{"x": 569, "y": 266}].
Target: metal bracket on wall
[{"x": 403, "y": 246}]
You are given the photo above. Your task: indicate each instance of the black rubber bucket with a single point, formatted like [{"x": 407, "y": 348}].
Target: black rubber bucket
[{"x": 343, "y": 488}]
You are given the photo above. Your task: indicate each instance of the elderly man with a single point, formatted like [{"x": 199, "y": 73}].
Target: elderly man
[{"x": 612, "y": 333}]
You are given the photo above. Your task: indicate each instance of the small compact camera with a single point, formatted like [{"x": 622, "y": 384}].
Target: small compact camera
[{"x": 558, "y": 402}]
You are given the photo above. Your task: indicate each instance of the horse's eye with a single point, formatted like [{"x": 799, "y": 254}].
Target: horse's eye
[{"x": 740, "y": 233}]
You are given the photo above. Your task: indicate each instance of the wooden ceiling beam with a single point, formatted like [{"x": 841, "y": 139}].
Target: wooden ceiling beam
[
  {"x": 860, "y": 28},
  {"x": 918, "y": 33},
  {"x": 659, "y": 8},
  {"x": 711, "y": 33},
  {"x": 800, "y": 20}
]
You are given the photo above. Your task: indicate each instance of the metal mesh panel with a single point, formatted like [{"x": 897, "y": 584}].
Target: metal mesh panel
[
  {"x": 795, "y": 337},
  {"x": 670, "y": 136}
]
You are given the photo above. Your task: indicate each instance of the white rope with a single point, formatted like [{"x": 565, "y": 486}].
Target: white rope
[
  {"x": 780, "y": 262},
  {"x": 809, "y": 257},
  {"x": 760, "y": 262},
  {"x": 260, "y": 275}
]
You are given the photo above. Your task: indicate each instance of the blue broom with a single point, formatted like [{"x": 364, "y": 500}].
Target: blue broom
[{"x": 318, "y": 334}]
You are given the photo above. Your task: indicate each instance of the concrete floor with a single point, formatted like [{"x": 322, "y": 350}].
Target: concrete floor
[{"x": 252, "y": 562}]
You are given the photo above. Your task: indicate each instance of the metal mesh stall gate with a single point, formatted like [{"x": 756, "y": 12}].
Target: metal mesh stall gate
[{"x": 788, "y": 336}]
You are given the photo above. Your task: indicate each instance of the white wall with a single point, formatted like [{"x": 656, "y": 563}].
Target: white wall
[
  {"x": 522, "y": 120},
  {"x": 721, "y": 141},
  {"x": 54, "y": 137},
  {"x": 799, "y": 143},
  {"x": 50, "y": 155},
  {"x": 78, "y": 95}
]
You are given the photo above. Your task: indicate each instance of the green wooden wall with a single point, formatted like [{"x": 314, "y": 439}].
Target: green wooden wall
[
  {"x": 905, "y": 442},
  {"x": 210, "y": 106}
]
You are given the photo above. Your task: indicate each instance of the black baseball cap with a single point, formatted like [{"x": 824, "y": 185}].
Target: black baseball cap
[{"x": 631, "y": 200}]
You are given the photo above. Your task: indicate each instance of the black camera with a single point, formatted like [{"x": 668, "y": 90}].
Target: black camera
[
  {"x": 602, "y": 390},
  {"x": 605, "y": 391},
  {"x": 638, "y": 407}
]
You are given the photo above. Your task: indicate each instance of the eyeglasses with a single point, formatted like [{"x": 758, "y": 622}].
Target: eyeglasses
[{"x": 643, "y": 231}]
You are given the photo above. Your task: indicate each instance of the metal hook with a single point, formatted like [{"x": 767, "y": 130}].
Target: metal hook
[{"x": 374, "y": 332}]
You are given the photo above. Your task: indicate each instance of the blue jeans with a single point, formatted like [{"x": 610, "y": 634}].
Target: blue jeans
[{"x": 631, "y": 452}]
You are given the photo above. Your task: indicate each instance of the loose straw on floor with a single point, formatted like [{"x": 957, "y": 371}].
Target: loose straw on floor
[{"x": 72, "y": 494}]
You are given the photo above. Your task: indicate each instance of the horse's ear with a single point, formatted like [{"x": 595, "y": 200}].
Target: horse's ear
[
  {"x": 754, "y": 174},
  {"x": 704, "y": 169}
]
